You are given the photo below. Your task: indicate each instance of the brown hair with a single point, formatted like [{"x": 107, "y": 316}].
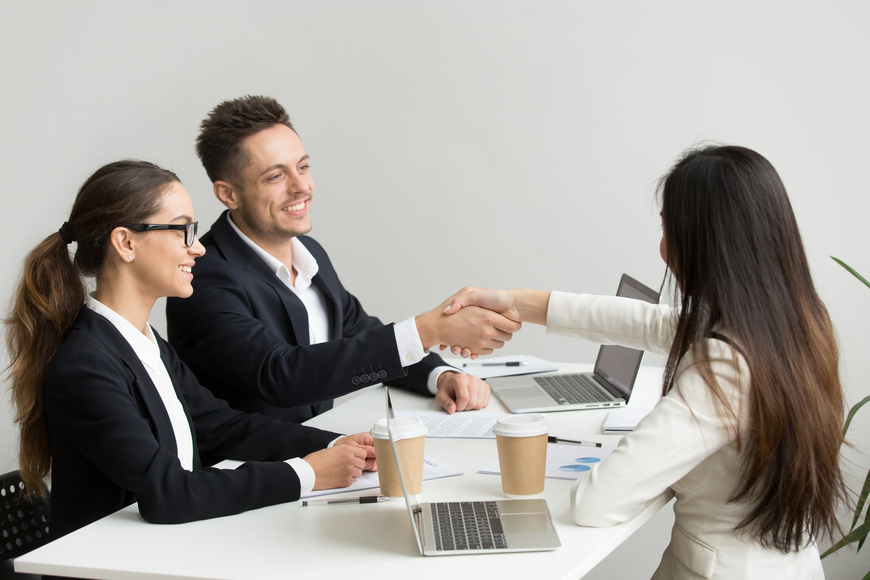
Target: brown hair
[
  {"x": 220, "y": 143},
  {"x": 51, "y": 293},
  {"x": 735, "y": 251}
]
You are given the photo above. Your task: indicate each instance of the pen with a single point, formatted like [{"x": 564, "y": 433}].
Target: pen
[
  {"x": 361, "y": 499},
  {"x": 552, "y": 439},
  {"x": 501, "y": 364}
]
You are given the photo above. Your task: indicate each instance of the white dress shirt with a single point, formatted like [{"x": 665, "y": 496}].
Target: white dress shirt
[
  {"x": 407, "y": 337},
  {"x": 146, "y": 348}
]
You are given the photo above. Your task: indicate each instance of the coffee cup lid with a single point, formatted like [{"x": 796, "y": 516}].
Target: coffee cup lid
[
  {"x": 409, "y": 428},
  {"x": 522, "y": 426}
]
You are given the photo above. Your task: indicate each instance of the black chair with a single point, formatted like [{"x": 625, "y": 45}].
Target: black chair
[{"x": 23, "y": 522}]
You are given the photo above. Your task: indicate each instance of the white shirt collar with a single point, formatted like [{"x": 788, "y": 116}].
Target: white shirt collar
[
  {"x": 144, "y": 345},
  {"x": 305, "y": 264}
]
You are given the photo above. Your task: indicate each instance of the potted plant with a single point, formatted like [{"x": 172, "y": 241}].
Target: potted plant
[{"x": 857, "y": 533}]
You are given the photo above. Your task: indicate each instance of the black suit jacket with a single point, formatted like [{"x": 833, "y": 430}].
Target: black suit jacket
[
  {"x": 112, "y": 443},
  {"x": 245, "y": 335}
]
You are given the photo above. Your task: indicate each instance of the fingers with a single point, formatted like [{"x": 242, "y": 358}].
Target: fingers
[
  {"x": 465, "y": 297},
  {"x": 461, "y": 394},
  {"x": 444, "y": 399}
]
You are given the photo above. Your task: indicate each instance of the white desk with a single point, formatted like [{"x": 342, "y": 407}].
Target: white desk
[{"x": 348, "y": 541}]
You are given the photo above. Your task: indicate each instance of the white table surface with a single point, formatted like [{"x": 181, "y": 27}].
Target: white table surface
[{"x": 350, "y": 540}]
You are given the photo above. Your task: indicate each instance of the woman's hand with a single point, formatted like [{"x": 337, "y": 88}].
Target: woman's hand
[
  {"x": 339, "y": 465},
  {"x": 516, "y": 305}
]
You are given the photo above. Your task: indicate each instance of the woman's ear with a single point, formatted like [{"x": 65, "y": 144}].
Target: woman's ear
[{"x": 123, "y": 244}]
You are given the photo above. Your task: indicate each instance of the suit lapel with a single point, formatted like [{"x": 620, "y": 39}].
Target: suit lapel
[
  {"x": 237, "y": 252},
  {"x": 327, "y": 284},
  {"x": 143, "y": 384}
]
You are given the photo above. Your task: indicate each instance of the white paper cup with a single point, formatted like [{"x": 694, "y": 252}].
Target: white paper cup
[
  {"x": 522, "y": 454},
  {"x": 410, "y": 444}
]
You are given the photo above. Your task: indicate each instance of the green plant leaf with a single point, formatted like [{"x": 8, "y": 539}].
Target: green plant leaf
[
  {"x": 852, "y": 412},
  {"x": 866, "y": 520},
  {"x": 851, "y": 270},
  {"x": 854, "y": 536},
  {"x": 862, "y": 499}
]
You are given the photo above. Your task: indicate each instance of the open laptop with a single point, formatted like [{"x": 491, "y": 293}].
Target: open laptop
[
  {"x": 608, "y": 385},
  {"x": 474, "y": 527}
]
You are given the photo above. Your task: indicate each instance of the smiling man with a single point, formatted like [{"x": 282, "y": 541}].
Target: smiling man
[{"x": 270, "y": 328}]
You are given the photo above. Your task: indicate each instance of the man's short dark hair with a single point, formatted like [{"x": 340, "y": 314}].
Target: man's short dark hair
[{"x": 221, "y": 134}]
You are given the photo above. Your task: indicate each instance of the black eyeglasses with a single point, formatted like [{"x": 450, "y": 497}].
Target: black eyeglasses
[{"x": 188, "y": 229}]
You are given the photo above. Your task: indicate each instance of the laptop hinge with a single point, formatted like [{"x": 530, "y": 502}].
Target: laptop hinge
[{"x": 612, "y": 389}]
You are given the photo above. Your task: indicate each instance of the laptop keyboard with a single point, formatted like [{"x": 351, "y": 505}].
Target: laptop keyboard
[
  {"x": 467, "y": 525},
  {"x": 570, "y": 389}
]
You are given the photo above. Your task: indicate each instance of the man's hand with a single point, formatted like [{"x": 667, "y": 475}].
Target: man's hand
[
  {"x": 517, "y": 305},
  {"x": 339, "y": 465},
  {"x": 478, "y": 329},
  {"x": 501, "y": 301},
  {"x": 458, "y": 392}
]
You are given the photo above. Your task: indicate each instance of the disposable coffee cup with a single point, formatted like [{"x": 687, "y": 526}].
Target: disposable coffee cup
[
  {"x": 410, "y": 436},
  {"x": 522, "y": 454}
]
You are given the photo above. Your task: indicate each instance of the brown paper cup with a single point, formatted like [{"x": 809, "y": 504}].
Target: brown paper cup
[
  {"x": 522, "y": 461},
  {"x": 410, "y": 452}
]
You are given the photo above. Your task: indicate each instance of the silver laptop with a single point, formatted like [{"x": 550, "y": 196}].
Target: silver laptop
[
  {"x": 608, "y": 385},
  {"x": 474, "y": 527}
]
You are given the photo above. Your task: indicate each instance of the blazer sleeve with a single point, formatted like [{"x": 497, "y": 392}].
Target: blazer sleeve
[
  {"x": 94, "y": 395},
  {"x": 225, "y": 433},
  {"x": 234, "y": 331},
  {"x": 683, "y": 430},
  {"x": 612, "y": 320},
  {"x": 355, "y": 321}
]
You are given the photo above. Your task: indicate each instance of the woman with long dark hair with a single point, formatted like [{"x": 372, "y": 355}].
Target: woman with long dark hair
[
  {"x": 105, "y": 408},
  {"x": 748, "y": 431}
]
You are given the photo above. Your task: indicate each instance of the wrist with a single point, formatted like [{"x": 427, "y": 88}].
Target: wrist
[{"x": 425, "y": 330}]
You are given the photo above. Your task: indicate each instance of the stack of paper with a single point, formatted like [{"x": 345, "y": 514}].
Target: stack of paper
[{"x": 499, "y": 366}]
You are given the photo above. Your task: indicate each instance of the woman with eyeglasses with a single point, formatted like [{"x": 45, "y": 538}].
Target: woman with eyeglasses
[
  {"x": 105, "y": 408},
  {"x": 748, "y": 431}
]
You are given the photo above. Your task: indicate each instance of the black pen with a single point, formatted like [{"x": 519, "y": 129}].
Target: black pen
[
  {"x": 501, "y": 364},
  {"x": 350, "y": 500},
  {"x": 552, "y": 439}
]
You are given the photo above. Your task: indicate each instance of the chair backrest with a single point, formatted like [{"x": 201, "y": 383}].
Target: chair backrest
[{"x": 23, "y": 520}]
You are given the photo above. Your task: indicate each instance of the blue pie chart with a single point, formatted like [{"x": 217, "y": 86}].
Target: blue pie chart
[
  {"x": 573, "y": 468},
  {"x": 588, "y": 459}
]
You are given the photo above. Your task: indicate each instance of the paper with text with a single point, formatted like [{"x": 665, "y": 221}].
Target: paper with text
[
  {"x": 432, "y": 469},
  {"x": 465, "y": 425}
]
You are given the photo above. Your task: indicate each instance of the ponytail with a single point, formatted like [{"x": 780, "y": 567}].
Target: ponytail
[
  {"x": 47, "y": 301},
  {"x": 51, "y": 293}
]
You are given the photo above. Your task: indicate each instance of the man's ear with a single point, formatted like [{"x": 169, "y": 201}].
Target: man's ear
[
  {"x": 226, "y": 194},
  {"x": 123, "y": 244}
]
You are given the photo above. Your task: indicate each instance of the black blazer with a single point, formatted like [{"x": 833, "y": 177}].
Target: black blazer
[
  {"x": 112, "y": 443},
  {"x": 245, "y": 335}
]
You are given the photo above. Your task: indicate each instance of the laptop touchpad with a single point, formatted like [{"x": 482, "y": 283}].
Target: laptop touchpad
[{"x": 525, "y": 523}]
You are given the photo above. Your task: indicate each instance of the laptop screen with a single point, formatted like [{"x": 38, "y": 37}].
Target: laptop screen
[{"x": 618, "y": 365}]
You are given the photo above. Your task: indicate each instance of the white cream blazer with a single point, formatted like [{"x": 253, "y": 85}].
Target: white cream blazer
[{"x": 683, "y": 445}]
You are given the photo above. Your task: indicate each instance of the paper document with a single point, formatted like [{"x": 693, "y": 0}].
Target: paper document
[
  {"x": 432, "y": 469},
  {"x": 623, "y": 420},
  {"x": 478, "y": 368},
  {"x": 564, "y": 461},
  {"x": 465, "y": 425}
]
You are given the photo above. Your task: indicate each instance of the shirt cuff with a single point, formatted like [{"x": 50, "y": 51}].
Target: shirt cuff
[
  {"x": 304, "y": 472},
  {"x": 408, "y": 342},
  {"x": 432, "y": 382},
  {"x": 331, "y": 443}
]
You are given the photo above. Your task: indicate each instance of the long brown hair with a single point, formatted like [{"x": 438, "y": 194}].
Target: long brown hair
[
  {"x": 734, "y": 249},
  {"x": 51, "y": 293}
]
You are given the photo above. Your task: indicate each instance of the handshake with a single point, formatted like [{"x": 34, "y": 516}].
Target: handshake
[{"x": 476, "y": 321}]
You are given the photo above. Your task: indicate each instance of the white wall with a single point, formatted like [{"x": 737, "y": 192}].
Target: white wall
[{"x": 509, "y": 143}]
